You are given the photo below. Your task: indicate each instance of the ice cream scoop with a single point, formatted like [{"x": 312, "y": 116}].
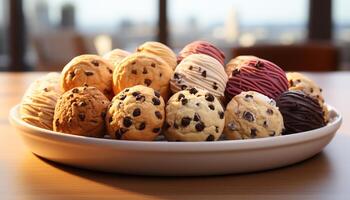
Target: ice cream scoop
[
  {"x": 298, "y": 81},
  {"x": 300, "y": 112},
  {"x": 238, "y": 61},
  {"x": 259, "y": 75},
  {"x": 38, "y": 103},
  {"x": 160, "y": 50},
  {"x": 252, "y": 115},
  {"x": 115, "y": 56},
  {"x": 200, "y": 71},
  {"x": 202, "y": 47}
]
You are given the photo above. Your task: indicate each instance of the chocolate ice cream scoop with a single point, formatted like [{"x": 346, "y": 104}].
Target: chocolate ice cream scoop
[
  {"x": 258, "y": 75},
  {"x": 300, "y": 112}
]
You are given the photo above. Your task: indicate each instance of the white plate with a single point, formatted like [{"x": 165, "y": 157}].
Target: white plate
[{"x": 175, "y": 158}]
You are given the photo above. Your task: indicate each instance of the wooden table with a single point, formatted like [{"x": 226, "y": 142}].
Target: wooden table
[{"x": 25, "y": 176}]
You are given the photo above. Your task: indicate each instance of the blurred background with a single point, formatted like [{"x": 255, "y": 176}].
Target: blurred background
[{"x": 311, "y": 35}]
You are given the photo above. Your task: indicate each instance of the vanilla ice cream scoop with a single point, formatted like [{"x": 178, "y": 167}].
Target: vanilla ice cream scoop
[{"x": 200, "y": 71}]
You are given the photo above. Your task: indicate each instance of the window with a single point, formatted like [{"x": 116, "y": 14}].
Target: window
[
  {"x": 341, "y": 29},
  {"x": 238, "y": 22},
  {"x": 3, "y": 49},
  {"x": 61, "y": 29}
]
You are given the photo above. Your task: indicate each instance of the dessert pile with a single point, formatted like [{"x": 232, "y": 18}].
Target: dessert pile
[{"x": 154, "y": 94}]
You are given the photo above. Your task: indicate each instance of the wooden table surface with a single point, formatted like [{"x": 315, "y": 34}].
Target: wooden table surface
[{"x": 26, "y": 176}]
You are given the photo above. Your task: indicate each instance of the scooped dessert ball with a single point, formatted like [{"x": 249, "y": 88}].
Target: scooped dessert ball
[
  {"x": 88, "y": 70},
  {"x": 258, "y": 75},
  {"x": 298, "y": 81},
  {"x": 252, "y": 115},
  {"x": 300, "y": 112},
  {"x": 200, "y": 71},
  {"x": 38, "y": 102},
  {"x": 202, "y": 47},
  {"x": 136, "y": 113},
  {"x": 194, "y": 115},
  {"x": 143, "y": 69},
  {"x": 160, "y": 50},
  {"x": 81, "y": 111}
]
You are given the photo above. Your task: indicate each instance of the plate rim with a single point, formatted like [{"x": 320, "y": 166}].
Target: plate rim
[{"x": 165, "y": 146}]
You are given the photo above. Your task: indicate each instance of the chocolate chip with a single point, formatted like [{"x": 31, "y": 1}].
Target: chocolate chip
[
  {"x": 291, "y": 83},
  {"x": 72, "y": 74},
  {"x": 231, "y": 126},
  {"x": 235, "y": 72},
  {"x": 110, "y": 119},
  {"x": 136, "y": 112},
  {"x": 140, "y": 98},
  {"x": 193, "y": 91},
  {"x": 119, "y": 133},
  {"x": 127, "y": 121},
  {"x": 85, "y": 85},
  {"x": 199, "y": 126},
  {"x": 298, "y": 80},
  {"x": 197, "y": 104},
  {"x": 320, "y": 89},
  {"x": 273, "y": 133},
  {"x": 126, "y": 90},
  {"x": 133, "y": 63},
  {"x": 184, "y": 101},
  {"x": 46, "y": 90},
  {"x": 134, "y": 71},
  {"x": 148, "y": 82},
  {"x": 153, "y": 65},
  {"x": 156, "y": 93},
  {"x": 183, "y": 87},
  {"x": 176, "y": 76},
  {"x": 216, "y": 129},
  {"x": 156, "y": 130},
  {"x": 144, "y": 71},
  {"x": 215, "y": 87},
  {"x": 185, "y": 121},
  {"x": 158, "y": 115},
  {"x": 211, "y": 106},
  {"x": 110, "y": 71},
  {"x": 70, "y": 96},
  {"x": 248, "y": 116},
  {"x": 269, "y": 111},
  {"x": 82, "y": 103},
  {"x": 249, "y": 96},
  {"x": 210, "y": 137},
  {"x": 166, "y": 125},
  {"x": 89, "y": 73},
  {"x": 81, "y": 116},
  {"x": 259, "y": 64},
  {"x": 311, "y": 90},
  {"x": 265, "y": 124},
  {"x": 204, "y": 74},
  {"x": 180, "y": 96},
  {"x": 209, "y": 97},
  {"x": 142, "y": 126},
  {"x": 75, "y": 90},
  {"x": 155, "y": 101},
  {"x": 190, "y": 67},
  {"x": 253, "y": 132},
  {"x": 95, "y": 62},
  {"x": 103, "y": 114},
  {"x": 221, "y": 114},
  {"x": 160, "y": 74},
  {"x": 196, "y": 117},
  {"x": 136, "y": 93},
  {"x": 122, "y": 97},
  {"x": 176, "y": 126}
]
